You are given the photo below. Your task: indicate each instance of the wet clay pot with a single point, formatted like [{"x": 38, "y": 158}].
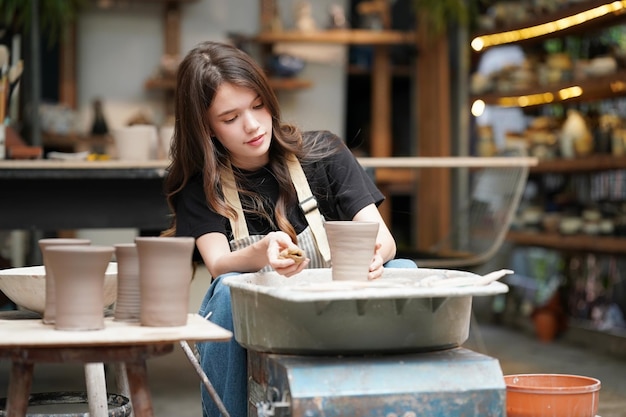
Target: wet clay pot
[
  {"x": 50, "y": 306},
  {"x": 165, "y": 272},
  {"x": 352, "y": 246},
  {"x": 79, "y": 274},
  {"x": 128, "y": 304}
]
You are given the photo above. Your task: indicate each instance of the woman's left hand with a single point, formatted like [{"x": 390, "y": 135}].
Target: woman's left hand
[{"x": 376, "y": 267}]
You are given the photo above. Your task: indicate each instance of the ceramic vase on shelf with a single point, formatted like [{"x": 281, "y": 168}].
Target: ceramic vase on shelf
[
  {"x": 79, "y": 273},
  {"x": 575, "y": 137},
  {"x": 352, "y": 245},
  {"x": 165, "y": 272},
  {"x": 50, "y": 305},
  {"x": 549, "y": 319},
  {"x": 136, "y": 142},
  {"x": 166, "y": 135},
  {"x": 128, "y": 304},
  {"x": 546, "y": 325}
]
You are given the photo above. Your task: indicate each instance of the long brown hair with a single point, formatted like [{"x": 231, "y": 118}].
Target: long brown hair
[{"x": 194, "y": 152}]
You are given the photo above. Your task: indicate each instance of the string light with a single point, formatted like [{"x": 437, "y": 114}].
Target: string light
[
  {"x": 478, "y": 108},
  {"x": 481, "y": 42},
  {"x": 538, "y": 99},
  {"x": 570, "y": 92},
  {"x": 618, "y": 86},
  {"x": 526, "y": 100}
]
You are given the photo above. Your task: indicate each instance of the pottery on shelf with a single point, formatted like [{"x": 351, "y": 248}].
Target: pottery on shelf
[
  {"x": 50, "y": 306},
  {"x": 166, "y": 136},
  {"x": 79, "y": 273},
  {"x": 136, "y": 142},
  {"x": 128, "y": 304},
  {"x": 352, "y": 245},
  {"x": 575, "y": 136},
  {"x": 546, "y": 325},
  {"x": 165, "y": 272}
]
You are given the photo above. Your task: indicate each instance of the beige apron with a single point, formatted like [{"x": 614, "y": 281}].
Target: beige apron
[{"x": 312, "y": 240}]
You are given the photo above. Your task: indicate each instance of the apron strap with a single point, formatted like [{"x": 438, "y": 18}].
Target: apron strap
[
  {"x": 306, "y": 200},
  {"x": 309, "y": 206}
]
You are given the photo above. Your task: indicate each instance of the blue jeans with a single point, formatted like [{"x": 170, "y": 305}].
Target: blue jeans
[{"x": 225, "y": 363}]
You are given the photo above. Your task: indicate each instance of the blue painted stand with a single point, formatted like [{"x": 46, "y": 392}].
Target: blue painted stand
[{"x": 446, "y": 383}]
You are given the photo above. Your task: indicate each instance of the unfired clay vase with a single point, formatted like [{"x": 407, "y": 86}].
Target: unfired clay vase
[
  {"x": 165, "y": 272},
  {"x": 50, "y": 307},
  {"x": 128, "y": 304},
  {"x": 166, "y": 134},
  {"x": 352, "y": 246},
  {"x": 79, "y": 274},
  {"x": 136, "y": 142}
]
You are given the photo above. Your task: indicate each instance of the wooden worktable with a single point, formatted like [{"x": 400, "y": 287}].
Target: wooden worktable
[
  {"x": 32, "y": 333},
  {"x": 29, "y": 341},
  {"x": 53, "y": 195}
]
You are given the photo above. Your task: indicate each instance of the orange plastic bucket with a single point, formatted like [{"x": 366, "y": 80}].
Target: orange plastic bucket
[{"x": 551, "y": 395}]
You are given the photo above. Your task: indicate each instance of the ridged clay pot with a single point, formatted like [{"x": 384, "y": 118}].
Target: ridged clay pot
[{"x": 128, "y": 304}]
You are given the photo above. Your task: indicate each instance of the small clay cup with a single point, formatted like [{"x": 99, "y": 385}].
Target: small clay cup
[
  {"x": 352, "y": 245},
  {"x": 50, "y": 306},
  {"x": 165, "y": 272},
  {"x": 79, "y": 274},
  {"x": 128, "y": 302}
]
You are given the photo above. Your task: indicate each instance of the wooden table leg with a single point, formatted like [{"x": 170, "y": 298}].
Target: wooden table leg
[
  {"x": 95, "y": 381},
  {"x": 121, "y": 380},
  {"x": 137, "y": 374},
  {"x": 20, "y": 383}
]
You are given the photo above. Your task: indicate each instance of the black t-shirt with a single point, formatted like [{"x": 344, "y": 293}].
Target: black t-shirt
[{"x": 340, "y": 185}]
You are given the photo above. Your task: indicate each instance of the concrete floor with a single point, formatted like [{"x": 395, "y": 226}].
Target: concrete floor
[{"x": 175, "y": 386}]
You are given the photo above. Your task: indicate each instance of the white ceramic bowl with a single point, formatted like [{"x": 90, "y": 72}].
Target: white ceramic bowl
[{"x": 26, "y": 286}]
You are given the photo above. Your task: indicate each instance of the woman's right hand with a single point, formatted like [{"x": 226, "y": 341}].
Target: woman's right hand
[{"x": 276, "y": 242}]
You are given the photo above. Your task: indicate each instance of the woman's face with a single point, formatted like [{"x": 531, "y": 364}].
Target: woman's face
[{"x": 243, "y": 125}]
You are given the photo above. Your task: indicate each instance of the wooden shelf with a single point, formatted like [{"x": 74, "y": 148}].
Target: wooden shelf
[
  {"x": 160, "y": 84},
  {"x": 339, "y": 36},
  {"x": 396, "y": 71},
  {"x": 586, "y": 24},
  {"x": 126, "y": 2},
  {"x": 583, "y": 164},
  {"x": 593, "y": 89},
  {"x": 578, "y": 243},
  {"x": 289, "y": 84},
  {"x": 585, "y": 18},
  {"x": 62, "y": 141},
  {"x": 169, "y": 84}
]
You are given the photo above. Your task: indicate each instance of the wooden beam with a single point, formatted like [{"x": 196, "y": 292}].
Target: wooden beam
[
  {"x": 67, "y": 68},
  {"x": 171, "y": 30},
  {"x": 381, "y": 141},
  {"x": 433, "y": 198}
]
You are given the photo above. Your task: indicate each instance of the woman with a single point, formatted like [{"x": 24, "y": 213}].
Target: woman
[{"x": 231, "y": 187}]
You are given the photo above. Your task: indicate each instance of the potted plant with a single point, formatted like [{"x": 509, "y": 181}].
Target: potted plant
[
  {"x": 52, "y": 15},
  {"x": 439, "y": 14}
]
